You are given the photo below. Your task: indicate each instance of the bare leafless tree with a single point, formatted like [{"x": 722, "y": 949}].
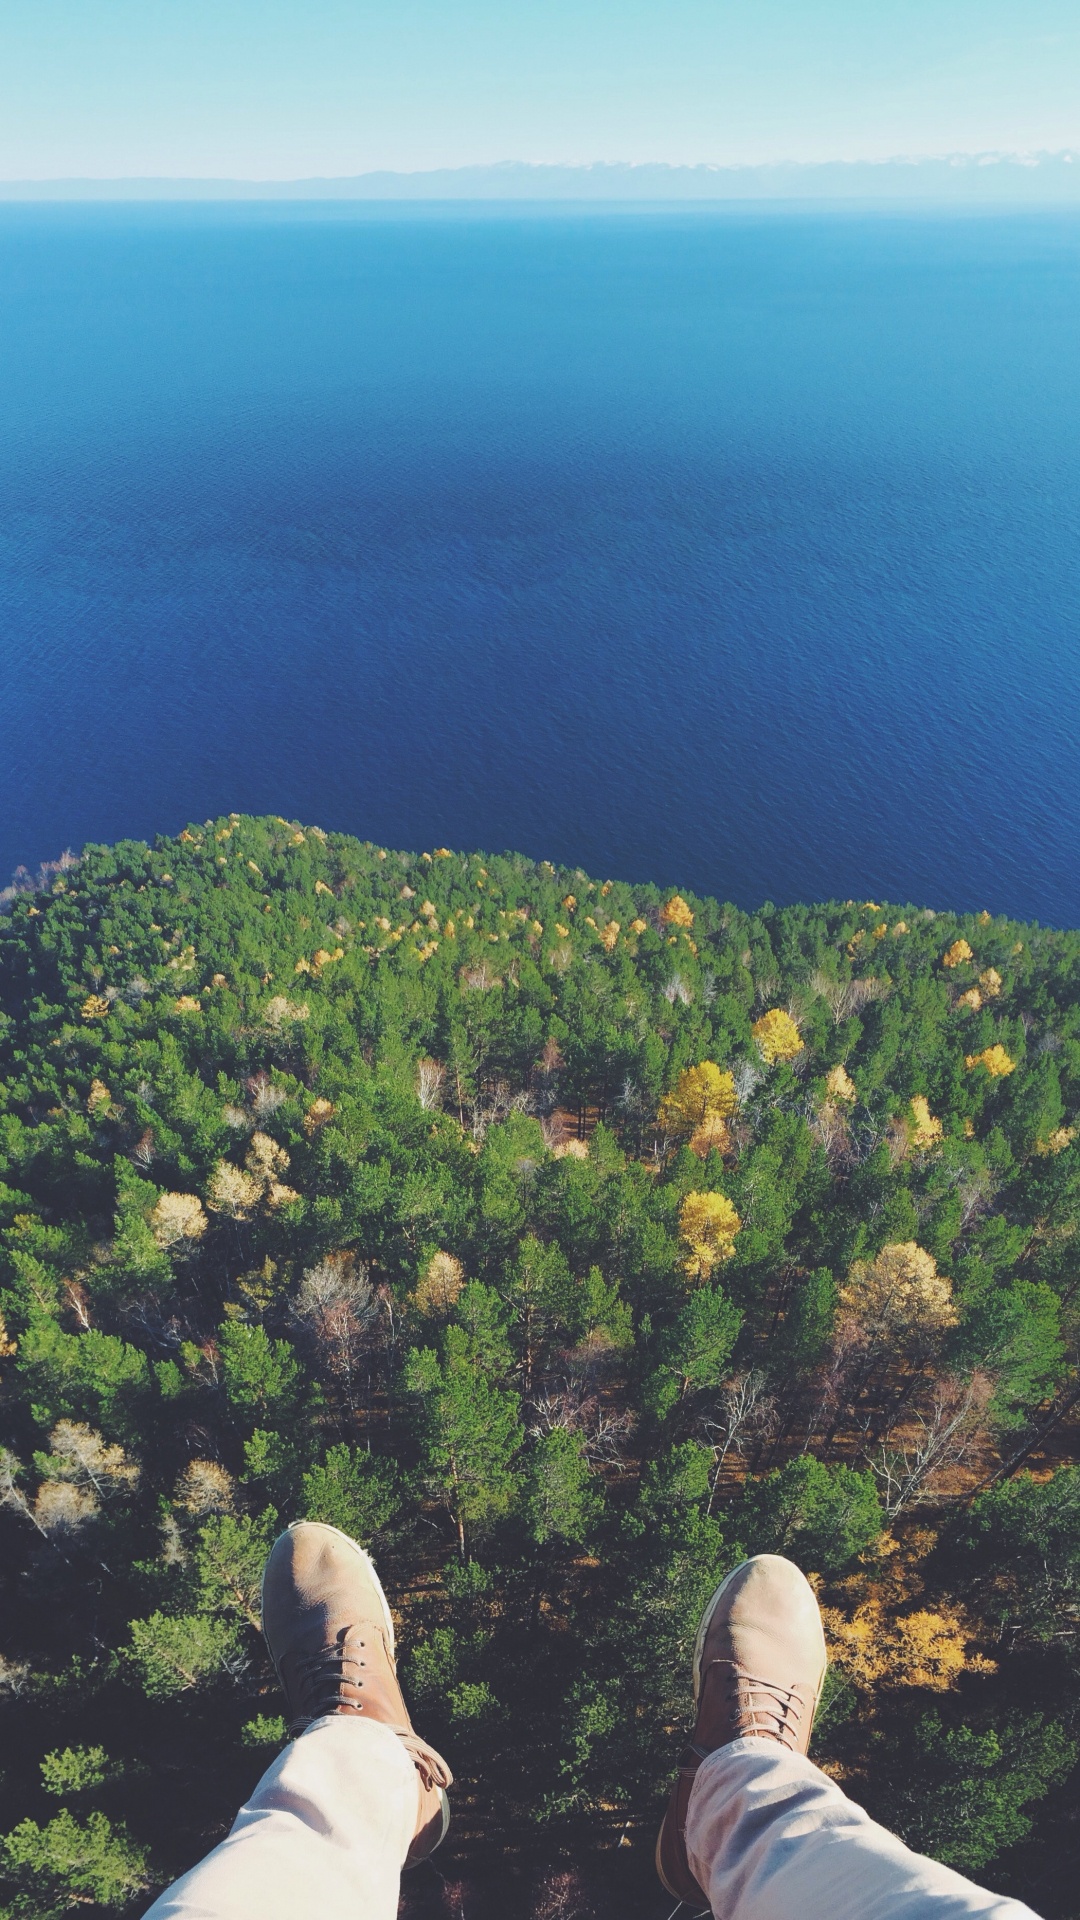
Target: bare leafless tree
[
  {"x": 12, "y": 1495},
  {"x": 142, "y": 1153},
  {"x": 430, "y": 1075},
  {"x": 494, "y": 1100},
  {"x": 831, "y": 1384},
  {"x": 77, "y": 1299},
  {"x": 572, "y": 1408},
  {"x": 830, "y": 1126},
  {"x": 945, "y": 1432},
  {"x": 264, "y": 1096},
  {"x": 747, "y": 1075},
  {"x": 15, "y": 1676},
  {"x": 747, "y": 1412},
  {"x": 561, "y": 1896},
  {"x": 338, "y": 1308},
  {"x": 845, "y": 997},
  {"x": 479, "y": 979}
]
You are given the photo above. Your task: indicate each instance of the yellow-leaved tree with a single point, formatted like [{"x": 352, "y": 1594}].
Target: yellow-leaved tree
[
  {"x": 570, "y": 1150},
  {"x": 701, "y": 1094},
  {"x": 922, "y": 1649},
  {"x": 232, "y": 1191},
  {"x": 708, "y": 1223},
  {"x": 777, "y": 1036},
  {"x": 237, "y": 1191},
  {"x": 99, "y": 1099},
  {"x": 958, "y": 954},
  {"x": 676, "y": 913},
  {"x": 317, "y": 1115},
  {"x": 439, "y": 1286},
  {"x": 1055, "y": 1142},
  {"x": 266, "y": 1161},
  {"x": 713, "y": 1136},
  {"x": 995, "y": 1059},
  {"x": 897, "y": 1298},
  {"x": 923, "y": 1130},
  {"x": 840, "y": 1085}
]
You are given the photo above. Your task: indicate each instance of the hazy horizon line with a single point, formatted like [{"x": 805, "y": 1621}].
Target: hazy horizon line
[{"x": 1022, "y": 174}]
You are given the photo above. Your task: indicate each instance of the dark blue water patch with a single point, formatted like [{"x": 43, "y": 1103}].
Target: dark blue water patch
[{"x": 734, "y": 550}]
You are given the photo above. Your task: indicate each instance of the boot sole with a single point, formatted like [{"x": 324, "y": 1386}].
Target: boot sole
[
  {"x": 699, "y": 1644},
  {"x": 410, "y": 1866},
  {"x": 673, "y": 1892}
]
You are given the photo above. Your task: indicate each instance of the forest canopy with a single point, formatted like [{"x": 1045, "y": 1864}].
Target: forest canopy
[{"x": 564, "y": 1240}]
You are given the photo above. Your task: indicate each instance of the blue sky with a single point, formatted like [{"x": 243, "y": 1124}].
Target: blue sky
[{"x": 291, "y": 88}]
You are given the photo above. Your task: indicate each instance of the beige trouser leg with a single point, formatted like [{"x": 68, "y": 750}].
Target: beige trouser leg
[
  {"x": 770, "y": 1837},
  {"x": 324, "y": 1834}
]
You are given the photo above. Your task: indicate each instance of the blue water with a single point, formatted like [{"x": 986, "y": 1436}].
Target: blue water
[{"x": 737, "y": 550}]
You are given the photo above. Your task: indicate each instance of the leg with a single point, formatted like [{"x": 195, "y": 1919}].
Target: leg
[
  {"x": 753, "y": 1829},
  {"x": 325, "y": 1832},
  {"x": 356, "y": 1795},
  {"x": 770, "y": 1837}
]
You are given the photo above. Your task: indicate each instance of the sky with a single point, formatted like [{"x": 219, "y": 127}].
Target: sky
[{"x": 287, "y": 89}]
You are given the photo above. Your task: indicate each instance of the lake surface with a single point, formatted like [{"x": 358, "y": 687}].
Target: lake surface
[{"x": 737, "y": 550}]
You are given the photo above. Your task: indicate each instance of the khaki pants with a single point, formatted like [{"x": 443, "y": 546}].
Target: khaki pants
[
  {"x": 771, "y": 1837},
  {"x": 328, "y": 1826},
  {"x": 323, "y": 1835}
]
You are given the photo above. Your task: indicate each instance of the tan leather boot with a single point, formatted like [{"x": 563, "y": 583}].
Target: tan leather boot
[
  {"x": 331, "y": 1638},
  {"x": 759, "y": 1666}
]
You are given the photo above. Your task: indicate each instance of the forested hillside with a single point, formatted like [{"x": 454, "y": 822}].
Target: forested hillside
[{"x": 564, "y": 1240}]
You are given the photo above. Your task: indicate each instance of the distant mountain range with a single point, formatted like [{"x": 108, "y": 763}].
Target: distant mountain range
[{"x": 984, "y": 178}]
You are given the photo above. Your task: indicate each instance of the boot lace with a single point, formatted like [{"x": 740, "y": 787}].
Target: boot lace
[
  {"x": 329, "y": 1682},
  {"x": 763, "y": 1706},
  {"x": 430, "y": 1765}
]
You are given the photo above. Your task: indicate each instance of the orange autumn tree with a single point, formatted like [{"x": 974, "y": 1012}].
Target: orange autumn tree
[
  {"x": 677, "y": 913},
  {"x": 958, "y": 954}
]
